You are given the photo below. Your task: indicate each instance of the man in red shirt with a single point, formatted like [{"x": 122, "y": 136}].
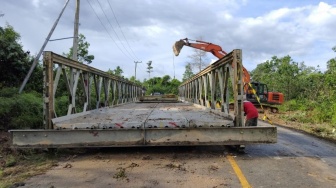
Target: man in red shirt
[{"x": 251, "y": 113}]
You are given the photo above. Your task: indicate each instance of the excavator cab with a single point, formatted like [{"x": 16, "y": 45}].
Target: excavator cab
[
  {"x": 263, "y": 94},
  {"x": 261, "y": 91}
]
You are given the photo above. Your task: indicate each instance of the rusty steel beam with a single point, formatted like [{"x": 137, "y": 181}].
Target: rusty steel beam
[{"x": 142, "y": 137}]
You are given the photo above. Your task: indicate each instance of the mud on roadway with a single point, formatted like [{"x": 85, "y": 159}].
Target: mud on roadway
[{"x": 192, "y": 166}]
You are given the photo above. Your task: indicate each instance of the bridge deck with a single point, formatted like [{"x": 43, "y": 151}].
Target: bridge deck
[
  {"x": 150, "y": 124},
  {"x": 148, "y": 115}
]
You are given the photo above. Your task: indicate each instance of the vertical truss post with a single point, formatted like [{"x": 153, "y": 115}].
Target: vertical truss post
[
  {"x": 238, "y": 87},
  {"x": 48, "y": 90}
]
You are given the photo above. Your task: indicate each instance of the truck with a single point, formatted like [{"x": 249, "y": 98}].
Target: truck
[
  {"x": 122, "y": 116},
  {"x": 255, "y": 92}
]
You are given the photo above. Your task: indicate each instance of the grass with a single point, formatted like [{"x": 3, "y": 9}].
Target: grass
[
  {"x": 121, "y": 174},
  {"x": 296, "y": 121},
  {"x": 19, "y": 165}
]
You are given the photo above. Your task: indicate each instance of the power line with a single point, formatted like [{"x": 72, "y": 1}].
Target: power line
[
  {"x": 108, "y": 20},
  {"x": 121, "y": 29},
  {"x": 107, "y": 30}
]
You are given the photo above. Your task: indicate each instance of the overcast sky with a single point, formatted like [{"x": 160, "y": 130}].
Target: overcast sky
[{"x": 145, "y": 30}]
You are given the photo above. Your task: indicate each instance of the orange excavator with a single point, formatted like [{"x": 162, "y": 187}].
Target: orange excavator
[{"x": 266, "y": 98}]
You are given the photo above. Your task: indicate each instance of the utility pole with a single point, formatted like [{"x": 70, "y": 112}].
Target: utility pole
[
  {"x": 75, "y": 39},
  {"x": 136, "y": 63},
  {"x": 174, "y": 65},
  {"x": 73, "y": 82}
]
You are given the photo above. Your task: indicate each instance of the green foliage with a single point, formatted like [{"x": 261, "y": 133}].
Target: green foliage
[
  {"x": 20, "y": 111},
  {"x": 121, "y": 174},
  {"x": 173, "y": 87},
  {"x": 10, "y": 161},
  {"x": 283, "y": 75},
  {"x": 149, "y": 67},
  {"x": 294, "y": 105},
  {"x": 307, "y": 90},
  {"x": 333, "y": 116},
  {"x": 187, "y": 73},
  {"x": 61, "y": 105},
  {"x": 117, "y": 71},
  {"x": 310, "y": 111},
  {"x": 15, "y": 63},
  {"x": 132, "y": 79},
  {"x": 164, "y": 85},
  {"x": 324, "y": 112},
  {"x": 83, "y": 51}
]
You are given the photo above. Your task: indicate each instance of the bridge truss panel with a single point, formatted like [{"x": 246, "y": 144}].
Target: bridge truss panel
[
  {"x": 108, "y": 89},
  {"x": 211, "y": 85}
]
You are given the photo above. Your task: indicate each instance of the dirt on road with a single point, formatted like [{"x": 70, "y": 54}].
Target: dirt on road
[{"x": 141, "y": 167}]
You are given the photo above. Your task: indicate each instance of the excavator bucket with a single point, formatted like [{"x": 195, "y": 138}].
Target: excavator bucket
[{"x": 178, "y": 46}]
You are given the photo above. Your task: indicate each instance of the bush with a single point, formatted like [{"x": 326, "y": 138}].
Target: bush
[
  {"x": 61, "y": 105},
  {"x": 19, "y": 111},
  {"x": 294, "y": 105}
]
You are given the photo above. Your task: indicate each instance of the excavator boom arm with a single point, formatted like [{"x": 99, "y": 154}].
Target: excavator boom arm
[
  {"x": 208, "y": 47},
  {"x": 201, "y": 45}
]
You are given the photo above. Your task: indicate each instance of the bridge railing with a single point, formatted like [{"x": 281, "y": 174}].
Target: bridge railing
[
  {"x": 108, "y": 89},
  {"x": 211, "y": 85}
]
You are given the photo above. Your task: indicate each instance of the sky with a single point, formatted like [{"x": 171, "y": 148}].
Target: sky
[{"x": 121, "y": 32}]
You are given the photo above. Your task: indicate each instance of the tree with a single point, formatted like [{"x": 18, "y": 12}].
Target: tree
[
  {"x": 83, "y": 51},
  {"x": 149, "y": 67},
  {"x": 173, "y": 86},
  {"x": 117, "y": 71},
  {"x": 162, "y": 85},
  {"x": 187, "y": 73},
  {"x": 198, "y": 59},
  {"x": 15, "y": 62},
  {"x": 132, "y": 79},
  {"x": 331, "y": 64},
  {"x": 165, "y": 80},
  {"x": 283, "y": 75},
  {"x": 330, "y": 76}
]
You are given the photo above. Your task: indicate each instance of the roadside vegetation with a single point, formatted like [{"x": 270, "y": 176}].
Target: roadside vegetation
[{"x": 310, "y": 96}]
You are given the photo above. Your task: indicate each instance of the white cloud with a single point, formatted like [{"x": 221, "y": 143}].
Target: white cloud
[
  {"x": 321, "y": 14},
  {"x": 305, "y": 30}
]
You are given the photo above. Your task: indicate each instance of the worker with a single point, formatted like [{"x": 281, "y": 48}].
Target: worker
[{"x": 251, "y": 113}]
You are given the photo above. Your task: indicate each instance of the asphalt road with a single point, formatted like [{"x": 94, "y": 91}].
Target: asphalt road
[{"x": 296, "y": 160}]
